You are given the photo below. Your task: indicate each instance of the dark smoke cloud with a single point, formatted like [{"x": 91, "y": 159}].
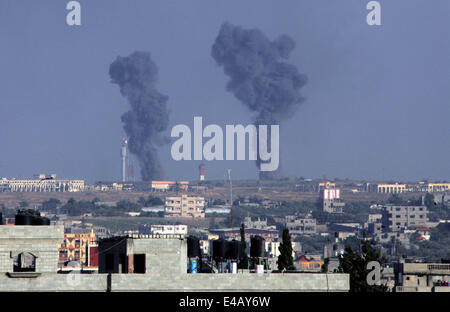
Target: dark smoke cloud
[
  {"x": 259, "y": 76},
  {"x": 148, "y": 117}
]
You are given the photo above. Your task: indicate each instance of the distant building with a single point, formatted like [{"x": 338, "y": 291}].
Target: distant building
[
  {"x": 257, "y": 223},
  {"x": 433, "y": 187},
  {"x": 41, "y": 183},
  {"x": 385, "y": 188},
  {"x": 169, "y": 229},
  {"x": 164, "y": 186},
  {"x": 185, "y": 206},
  {"x": 301, "y": 225},
  {"x": 273, "y": 249},
  {"x": 422, "y": 277},
  {"x": 268, "y": 235},
  {"x": 395, "y": 188},
  {"x": 304, "y": 263},
  {"x": 331, "y": 201},
  {"x": 326, "y": 186},
  {"x": 76, "y": 247},
  {"x": 398, "y": 218}
]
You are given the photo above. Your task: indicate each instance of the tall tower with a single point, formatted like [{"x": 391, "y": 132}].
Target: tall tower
[
  {"x": 124, "y": 159},
  {"x": 201, "y": 168},
  {"x": 231, "y": 200}
]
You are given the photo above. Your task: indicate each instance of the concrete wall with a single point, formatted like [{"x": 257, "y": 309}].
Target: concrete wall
[
  {"x": 55, "y": 282},
  {"x": 165, "y": 281},
  {"x": 41, "y": 241},
  {"x": 161, "y": 254},
  {"x": 232, "y": 282}
]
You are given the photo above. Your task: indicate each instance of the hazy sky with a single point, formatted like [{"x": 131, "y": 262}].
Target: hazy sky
[{"x": 377, "y": 100}]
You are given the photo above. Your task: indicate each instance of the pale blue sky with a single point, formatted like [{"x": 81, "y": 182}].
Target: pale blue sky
[{"x": 377, "y": 97}]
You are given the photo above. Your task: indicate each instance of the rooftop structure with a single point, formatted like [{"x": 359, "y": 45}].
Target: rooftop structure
[{"x": 29, "y": 255}]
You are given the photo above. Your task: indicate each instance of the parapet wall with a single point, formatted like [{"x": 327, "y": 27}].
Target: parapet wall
[
  {"x": 304, "y": 282},
  {"x": 41, "y": 241}
]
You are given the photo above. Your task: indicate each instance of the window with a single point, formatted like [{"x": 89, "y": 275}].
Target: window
[
  {"x": 139, "y": 263},
  {"x": 25, "y": 262}
]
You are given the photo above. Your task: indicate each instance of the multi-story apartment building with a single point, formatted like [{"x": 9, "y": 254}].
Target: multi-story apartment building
[
  {"x": 300, "y": 225},
  {"x": 331, "y": 201},
  {"x": 185, "y": 206},
  {"x": 76, "y": 247},
  {"x": 398, "y": 218}
]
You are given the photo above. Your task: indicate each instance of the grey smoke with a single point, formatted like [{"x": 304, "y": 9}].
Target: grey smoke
[
  {"x": 148, "y": 116},
  {"x": 259, "y": 75}
]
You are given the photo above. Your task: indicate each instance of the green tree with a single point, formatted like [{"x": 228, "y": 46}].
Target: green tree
[
  {"x": 356, "y": 266},
  {"x": 395, "y": 199},
  {"x": 285, "y": 260},
  {"x": 244, "y": 260},
  {"x": 50, "y": 205},
  {"x": 325, "y": 264}
]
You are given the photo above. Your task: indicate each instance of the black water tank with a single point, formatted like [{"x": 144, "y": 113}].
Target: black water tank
[
  {"x": 257, "y": 247},
  {"x": 24, "y": 219},
  {"x": 30, "y": 217},
  {"x": 193, "y": 245},
  {"x": 44, "y": 221},
  {"x": 37, "y": 220},
  {"x": 234, "y": 250},
  {"x": 219, "y": 248}
]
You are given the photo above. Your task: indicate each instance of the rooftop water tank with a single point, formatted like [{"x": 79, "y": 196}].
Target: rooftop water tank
[{"x": 257, "y": 247}]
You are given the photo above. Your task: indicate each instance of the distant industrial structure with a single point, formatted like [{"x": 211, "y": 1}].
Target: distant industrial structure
[
  {"x": 124, "y": 158},
  {"x": 201, "y": 169},
  {"x": 41, "y": 183}
]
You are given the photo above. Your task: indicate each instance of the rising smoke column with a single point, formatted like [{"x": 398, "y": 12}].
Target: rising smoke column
[
  {"x": 148, "y": 117},
  {"x": 259, "y": 76}
]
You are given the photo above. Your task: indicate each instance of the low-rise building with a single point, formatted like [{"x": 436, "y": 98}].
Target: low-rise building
[
  {"x": 307, "y": 264},
  {"x": 422, "y": 277},
  {"x": 164, "y": 186},
  {"x": 169, "y": 229},
  {"x": 268, "y": 235}
]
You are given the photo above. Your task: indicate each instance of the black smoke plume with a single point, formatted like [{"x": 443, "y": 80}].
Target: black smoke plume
[
  {"x": 148, "y": 117},
  {"x": 259, "y": 76}
]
